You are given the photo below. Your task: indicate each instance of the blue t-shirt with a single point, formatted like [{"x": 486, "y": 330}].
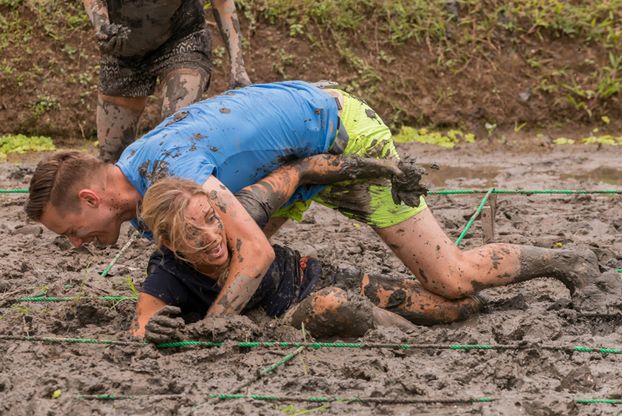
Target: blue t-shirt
[{"x": 239, "y": 137}]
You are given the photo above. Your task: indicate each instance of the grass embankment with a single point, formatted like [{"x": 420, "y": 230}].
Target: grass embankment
[{"x": 468, "y": 64}]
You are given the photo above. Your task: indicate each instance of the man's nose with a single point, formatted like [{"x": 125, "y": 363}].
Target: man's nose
[{"x": 75, "y": 241}]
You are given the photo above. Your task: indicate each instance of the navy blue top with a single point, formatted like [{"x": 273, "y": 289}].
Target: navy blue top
[{"x": 176, "y": 283}]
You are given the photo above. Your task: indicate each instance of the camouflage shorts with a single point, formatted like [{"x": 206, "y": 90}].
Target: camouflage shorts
[{"x": 125, "y": 77}]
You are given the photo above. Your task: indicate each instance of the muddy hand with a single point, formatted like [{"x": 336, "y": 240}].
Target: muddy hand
[
  {"x": 164, "y": 326},
  {"x": 112, "y": 38},
  {"x": 325, "y": 169},
  {"x": 406, "y": 187}
]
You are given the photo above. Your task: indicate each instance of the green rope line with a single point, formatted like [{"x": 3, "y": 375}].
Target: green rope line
[
  {"x": 54, "y": 340},
  {"x": 74, "y": 298},
  {"x": 525, "y": 191},
  {"x": 596, "y": 401},
  {"x": 619, "y": 270},
  {"x": 460, "y": 191},
  {"x": 324, "y": 399},
  {"x": 346, "y": 345},
  {"x": 319, "y": 345},
  {"x": 119, "y": 254},
  {"x": 474, "y": 216},
  {"x": 268, "y": 370},
  {"x": 311, "y": 399}
]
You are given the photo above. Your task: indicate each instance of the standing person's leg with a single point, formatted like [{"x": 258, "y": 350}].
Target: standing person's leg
[
  {"x": 117, "y": 122},
  {"x": 184, "y": 69},
  {"x": 182, "y": 87}
]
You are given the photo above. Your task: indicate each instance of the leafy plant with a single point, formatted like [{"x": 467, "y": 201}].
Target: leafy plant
[{"x": 21, "y": 144}]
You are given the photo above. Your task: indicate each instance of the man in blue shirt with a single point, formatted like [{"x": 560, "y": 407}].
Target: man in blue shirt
[{"x": 231, "y": 141}]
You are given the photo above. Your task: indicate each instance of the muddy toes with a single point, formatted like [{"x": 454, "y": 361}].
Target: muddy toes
[
  {"x": 601, "y": 295},
  {"x": 581, "y": 268}
]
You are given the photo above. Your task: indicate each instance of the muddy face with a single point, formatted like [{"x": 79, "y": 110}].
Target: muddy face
[
  {"x": 204, "y": 243},
  {"x": 91, "y": 223}
]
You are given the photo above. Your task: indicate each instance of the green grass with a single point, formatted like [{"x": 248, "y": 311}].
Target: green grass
[
  {"x": 21, "y": 144},
  {"x": 448, "y": 139},
  {"x": 474, "y": 33}
]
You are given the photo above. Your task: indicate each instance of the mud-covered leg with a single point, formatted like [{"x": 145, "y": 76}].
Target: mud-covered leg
[
  {"x": 410, "y": 300},
  {"x": 117, "y": 120},
  {"x": 335, "y": 312},
  {"x": 182, "y": 87},
  {"x": 446, "y": 270}
]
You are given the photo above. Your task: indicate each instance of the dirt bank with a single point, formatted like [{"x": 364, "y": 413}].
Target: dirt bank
[{"x": 516, "y": 65}]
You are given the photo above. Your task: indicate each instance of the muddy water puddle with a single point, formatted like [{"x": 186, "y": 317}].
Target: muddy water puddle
[
  {"x": 477, "y": 175},
  {"x": 603, "y": 174}
]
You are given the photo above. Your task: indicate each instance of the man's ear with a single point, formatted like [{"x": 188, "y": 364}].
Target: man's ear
[{"x": 90, "y": 197}]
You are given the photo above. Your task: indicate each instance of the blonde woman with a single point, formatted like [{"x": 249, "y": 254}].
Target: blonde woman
[{"x": 328, "y": 300}]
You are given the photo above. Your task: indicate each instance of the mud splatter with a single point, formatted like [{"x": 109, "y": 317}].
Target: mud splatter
[{"x": 177, "y": 117}]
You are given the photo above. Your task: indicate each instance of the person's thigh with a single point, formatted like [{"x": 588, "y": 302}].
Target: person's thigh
[
  {"x": 182, "y": 87},
  {"x": 117, "y": 120},
  {"x": 369, "y": 200}
]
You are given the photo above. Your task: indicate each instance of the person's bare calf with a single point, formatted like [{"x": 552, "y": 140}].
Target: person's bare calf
[
  {"x": 410, "y": 300},
  {"x": 117, "y": 121},
  {"x": 448, "y": 271},
  {"x": 182, "y": 87}
]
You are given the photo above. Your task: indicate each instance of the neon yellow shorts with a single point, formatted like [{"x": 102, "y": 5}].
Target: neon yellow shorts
[{"x": 368, "y": 201}]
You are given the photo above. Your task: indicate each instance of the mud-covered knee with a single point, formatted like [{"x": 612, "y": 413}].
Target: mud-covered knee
[
  {"x": 334, "y": 312},
  {"x": 453, "y": 290},
  {"x": 182, "y": 87}
]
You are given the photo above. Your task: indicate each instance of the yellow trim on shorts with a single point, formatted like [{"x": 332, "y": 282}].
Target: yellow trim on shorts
[{"x": 368, "y": 137}]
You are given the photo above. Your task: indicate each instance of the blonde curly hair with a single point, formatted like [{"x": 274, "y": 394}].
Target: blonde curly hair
[{"x": 164, "y": 211}]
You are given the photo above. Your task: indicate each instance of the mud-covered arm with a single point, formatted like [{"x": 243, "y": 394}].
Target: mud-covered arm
[
  {"x": 251, "y": 252},
  {"x": 405, "y": 175},
  {"x": 263, "y": 198},
  {"x": 229, "y": 26},
  {"x": 97, "y": 10}
]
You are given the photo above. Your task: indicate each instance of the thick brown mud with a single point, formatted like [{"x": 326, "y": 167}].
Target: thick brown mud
[{"x": 533, "y": 381}]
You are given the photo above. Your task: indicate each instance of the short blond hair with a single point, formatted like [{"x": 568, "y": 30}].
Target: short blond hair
[{"x": 164, "y": 207}]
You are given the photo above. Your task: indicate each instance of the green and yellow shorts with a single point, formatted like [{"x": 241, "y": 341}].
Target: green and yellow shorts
[{"x": 367, "y": 200}]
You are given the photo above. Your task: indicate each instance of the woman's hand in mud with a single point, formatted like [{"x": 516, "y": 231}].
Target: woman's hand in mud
[
  {"x": 112, "y": 38},
  {"x": 406, "y": 187},
  {"x": 165, "y": 326}
]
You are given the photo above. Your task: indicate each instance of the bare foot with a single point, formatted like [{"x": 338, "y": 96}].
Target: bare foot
[
  {"x": 601, "y": 295},
  {"x": 576, "y": 268},
  {"x": 383, "y": 317}
]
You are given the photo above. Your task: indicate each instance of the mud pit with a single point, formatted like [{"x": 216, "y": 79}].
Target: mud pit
[{"x": 533, "y": 381}]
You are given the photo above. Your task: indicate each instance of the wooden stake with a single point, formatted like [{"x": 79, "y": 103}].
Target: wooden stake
[{"x": 488, "y": 219}]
